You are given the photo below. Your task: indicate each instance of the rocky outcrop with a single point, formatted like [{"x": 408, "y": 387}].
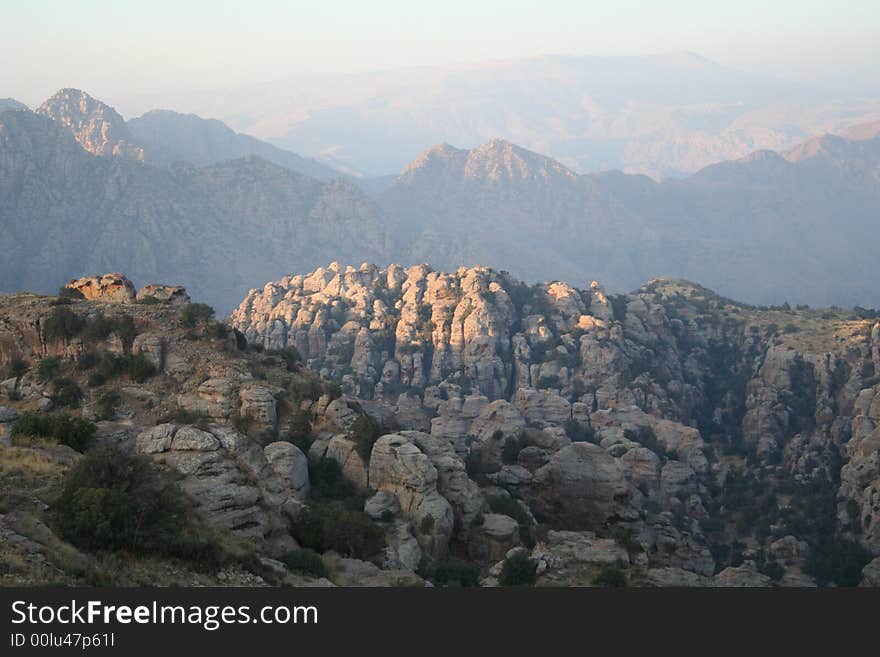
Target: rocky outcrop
[
  {"x": 582, "y": 486},
  {"x": 399, "y": 467},
  {"x": 97, "y": 127},
  {"x": 115, "y": 288},
  {"x": 860, "y": 477},
  {"x": 171, "y": 294}
]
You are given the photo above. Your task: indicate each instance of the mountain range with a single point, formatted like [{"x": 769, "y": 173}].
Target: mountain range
[
  {"x": 665, "y": 115},
  {"x": 171, "y": 196}
]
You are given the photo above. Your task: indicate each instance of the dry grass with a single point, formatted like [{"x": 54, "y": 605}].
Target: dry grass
[{"x": 26, "y": 460}]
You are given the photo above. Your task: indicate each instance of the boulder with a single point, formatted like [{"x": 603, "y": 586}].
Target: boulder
[
  {"x": 582, "y": 486},
  {"x": 291, "y": 465},
  {"x": 191, "y": 439},
  {"x": 170, "y": 294},
  {"x": 114, "y": 288},
  {"x": 399, "y": 467}
]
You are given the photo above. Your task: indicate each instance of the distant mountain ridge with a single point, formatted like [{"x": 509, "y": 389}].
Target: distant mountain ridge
[
  {"x": 65, "y": 211},
  {"x": 84, "y": 191},
  {"x": 665, "y": 115}
]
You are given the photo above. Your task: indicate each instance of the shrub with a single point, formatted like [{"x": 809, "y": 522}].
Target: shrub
[
  {"x": 518, "y": 570},
  {"x": 549, "y": 381},
  {"x": 17, "y": 368},
  {"x": 63, "y": 324},
  {"x": 610, "y": 576},
  {"x": 450, "y": 572},
  {"x": 511, "y": 449},
  {"x": 196, "y": 313},
  {"x": 48, "y": 368},
  {"x": 70, "y": 293},
  {"x": 836, "y": 561},
  {"x": 305, "y": 561},
  {"x": 327, "y": 481},
  {"x": 62, "y": 428},
  {"x": 115, "y": 500},
  {"x": 331, "y": 526},
  {"x": 580, "y": 433},
  {"x": 619, "y": 306},
  {"x": 184, "y": 416},
  {"x": 241, "y": 342},
  {"x": 216, "y": 331},
  {"x": 302, "y": 388},
  {"x": 427, "y": 525},
  {"x": 290, "y": 356},
  {"x": 332, "y": 390},
  {"x": 65, "y": 392},
  {"x": 139, "y": 367},
  {"x": 365, "y": 432},
  {"x": 106, "y": 405}
]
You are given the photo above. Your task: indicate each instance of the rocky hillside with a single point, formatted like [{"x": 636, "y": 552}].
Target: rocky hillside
[
  {"x": 216, "y": 229},
  {"x": 189, "y": 138},
  {"x": 97, "y": 127},
  {"x": 752, "y": 424}
]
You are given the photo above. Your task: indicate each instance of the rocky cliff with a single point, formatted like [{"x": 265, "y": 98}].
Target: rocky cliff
[{"x": 690, "y": 397}]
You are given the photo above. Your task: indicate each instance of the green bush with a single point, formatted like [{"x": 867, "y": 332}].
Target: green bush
[
  {"x": 365, "y": 432},
  {"x": 327, "y": 481},
  {"x": 65, "y": 392},
  {"x": 48, "y": 368},
  {"x": 332, "y": 390},
  {"x": 63, "y": 428},
  {"x": 62, "y": 324},
  {"x": 139, "y": 367},
  {"x": 300, "y": 431},
  {"x": 289, "y": 355},
  {"x": 115, "y": 500},
  {"x": 518, "y": 570},
  {"x": 17, "y": 368},
  {"x": 196, "y": 313},
  {"x": 305, "y": 561},
  {"x": 106, "y": 405},
  {"x": 836, "y": 561},
  {"x": 450, "y": 572},
  {"x": 613, "y": 577},
  {"x": 331, "y": 526},
  {"x": 304, "y": 387},
  {"x": 511, "y": 449},
  {"x": 580, "y": 433}
]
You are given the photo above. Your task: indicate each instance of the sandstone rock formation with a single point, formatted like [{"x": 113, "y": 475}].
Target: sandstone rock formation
[{"x": 115, "y": 288}]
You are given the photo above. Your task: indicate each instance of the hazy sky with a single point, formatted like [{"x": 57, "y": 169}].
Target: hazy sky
[{"x": 116, "y": 49}]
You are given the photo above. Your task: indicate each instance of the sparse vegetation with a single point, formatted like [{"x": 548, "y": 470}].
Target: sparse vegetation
[
  {"x": 450, "y": 572},
  {"x": 194, "y": 314},
  {"x": 518, "y": 570},
  {"x": 114, "y": 500},
  {"x": 326, "y": 526},
  {"x": 61, "y": 428},
  {"x": 307, "y": 562}
]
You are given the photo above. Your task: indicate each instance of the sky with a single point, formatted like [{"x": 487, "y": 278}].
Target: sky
[{"x": 116, "y": 49}]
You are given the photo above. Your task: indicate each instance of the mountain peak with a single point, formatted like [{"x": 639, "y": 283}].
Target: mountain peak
[
  {"x": 97, "y": 127},
  {"x": 496, "y": 160},
  {"x": 499, "y": 159}
]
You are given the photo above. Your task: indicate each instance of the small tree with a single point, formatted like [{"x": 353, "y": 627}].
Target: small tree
[
  {"x": 518, "y": 570},
  {"x": 365, "y": 431},
  {"x": 196, "y": 313}
]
